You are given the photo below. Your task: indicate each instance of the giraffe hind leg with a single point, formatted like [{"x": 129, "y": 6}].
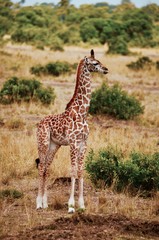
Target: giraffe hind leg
[{"x": 43, "y": 167}]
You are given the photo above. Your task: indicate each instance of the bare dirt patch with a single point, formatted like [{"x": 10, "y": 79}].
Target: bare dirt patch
[
  {"x": 88, "y": 226},
  {"x": 23, "y": 221}
]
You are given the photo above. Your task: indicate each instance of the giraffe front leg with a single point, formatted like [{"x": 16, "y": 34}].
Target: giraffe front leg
[
  {"x": 71, "y": 202},
  {"x": 81, "y": 198},
  {"x": 80, "y": 176}
]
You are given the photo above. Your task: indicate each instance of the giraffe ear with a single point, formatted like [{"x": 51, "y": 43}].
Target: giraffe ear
[
  {"x": 86, "y": 59},
  {"x": 92, "y": 53}
]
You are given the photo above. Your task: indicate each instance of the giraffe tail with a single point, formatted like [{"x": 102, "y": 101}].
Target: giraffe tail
[{"x": 37, "y": 162}]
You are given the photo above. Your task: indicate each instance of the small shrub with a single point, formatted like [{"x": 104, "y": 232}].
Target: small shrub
[
  {"x": 55, "y": 69},
  {"x": 58, "y": 68},
  {"x": 140, "y": 173},
  {"x": 141, "y": 63},
  {"x": 146, "y": 176},
  {"x": 40, "y": 46},
  {"x": 114, "y": 101},
  {"x": 10, "y": 193},
  {"x": 46, "y": 95},
  {"x": 38, "y": 70},
  {"x": 18, "y": 90}
]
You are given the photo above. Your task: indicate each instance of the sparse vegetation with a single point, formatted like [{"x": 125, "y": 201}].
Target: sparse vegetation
[
  {"x": 142, "y": 63},
  {"x": 114, "y": 101},
  {"x": 11, "y": 194}
]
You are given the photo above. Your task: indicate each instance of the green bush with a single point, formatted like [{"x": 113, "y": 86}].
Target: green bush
[
  {"x": 58, "y": 68},
  {"x": 118, "y": 46},
  {"x": 38, "y": 70},
  {"x": 55, "y": 69},
  {"x": 18, "y": 90},
  {"x": 102, "y": 166},
  {"x": 45, "y": 95},
  {"x": 138, "y": 174},
  {"x": 141, "y": 63},
  {"x": 114, "y": 101}
]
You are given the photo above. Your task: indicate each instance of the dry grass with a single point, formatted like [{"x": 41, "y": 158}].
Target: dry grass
[
  {"x": 132, "y": 207},
  {"x": 17, "y": 155},
  {"x": 18, "y": 149}
]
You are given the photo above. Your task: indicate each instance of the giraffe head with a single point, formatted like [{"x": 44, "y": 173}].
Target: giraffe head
[{"x": 94, "y": 65}]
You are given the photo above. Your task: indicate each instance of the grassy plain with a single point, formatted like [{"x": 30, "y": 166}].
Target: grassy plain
[{"x": 18, "y": 140}]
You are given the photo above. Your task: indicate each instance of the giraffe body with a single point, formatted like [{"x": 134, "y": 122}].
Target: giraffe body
[{"x": 69, "y": 128}]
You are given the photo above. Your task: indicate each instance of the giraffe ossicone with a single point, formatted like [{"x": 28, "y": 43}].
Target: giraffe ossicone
[{"x": 68, "y": 128}]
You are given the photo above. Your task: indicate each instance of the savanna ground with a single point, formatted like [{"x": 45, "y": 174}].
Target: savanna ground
[{"x": 108, "y": 215}]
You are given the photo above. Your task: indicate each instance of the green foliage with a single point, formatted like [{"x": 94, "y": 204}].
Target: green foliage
[
  {"x": 152, "y": 10},
  {"x": 87, "y": 31},
  {"x": 5, "y": 16},
  {"x": 53, "y": 25},
  {"x": 114, "y": 101},
  {"x": 29, "y": 35},
  {"x": 118, "y": 46},
  {"x": 140, "y": 173},
  {"x": 38, "y": 70},
  {"x": 138, "y": 27},
  {"x": 56, "y": 44},
  {"x": 10, "y": 193},
  {"x": 141, "y": 63},
  {"x": 45, "y": 95},
  {"x": 101, "y": 167},
  {"x": 55, "y": 69},
  {"x": 18, "y": 90}
]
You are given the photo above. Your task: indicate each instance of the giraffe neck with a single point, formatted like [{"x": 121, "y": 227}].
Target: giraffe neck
[{"x": 82, "y": 93}]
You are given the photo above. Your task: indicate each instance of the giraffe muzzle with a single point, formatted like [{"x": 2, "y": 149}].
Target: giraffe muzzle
[{"x": 105, "y": 70}]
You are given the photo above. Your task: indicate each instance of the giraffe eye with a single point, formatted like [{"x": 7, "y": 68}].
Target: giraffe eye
[{"x": 95, "y": 64}]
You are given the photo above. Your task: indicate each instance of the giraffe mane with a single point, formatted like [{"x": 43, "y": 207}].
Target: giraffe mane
[{"x": 77, "y": 84}]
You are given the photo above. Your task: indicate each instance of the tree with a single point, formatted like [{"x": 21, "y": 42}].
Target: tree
[
  {"x": 152, "y": 10},
  {"x": 64, "y": 3},
  {"x": 88, "y": 31},
  {"x": 125, "y": 1},
  {"x": 22, "y": 1},
  {"x": 138, "y": 26}
]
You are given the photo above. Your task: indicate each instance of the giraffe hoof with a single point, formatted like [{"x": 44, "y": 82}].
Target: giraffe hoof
[
  {"x": 81, "y": 210},
  {"x": 39, "y": 202},
  {"x": 45, "y": 206},
  {"x": 71, "y": 210}
]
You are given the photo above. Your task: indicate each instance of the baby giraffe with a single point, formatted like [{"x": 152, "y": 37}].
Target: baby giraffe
[{"x": 68, "y": 128}]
